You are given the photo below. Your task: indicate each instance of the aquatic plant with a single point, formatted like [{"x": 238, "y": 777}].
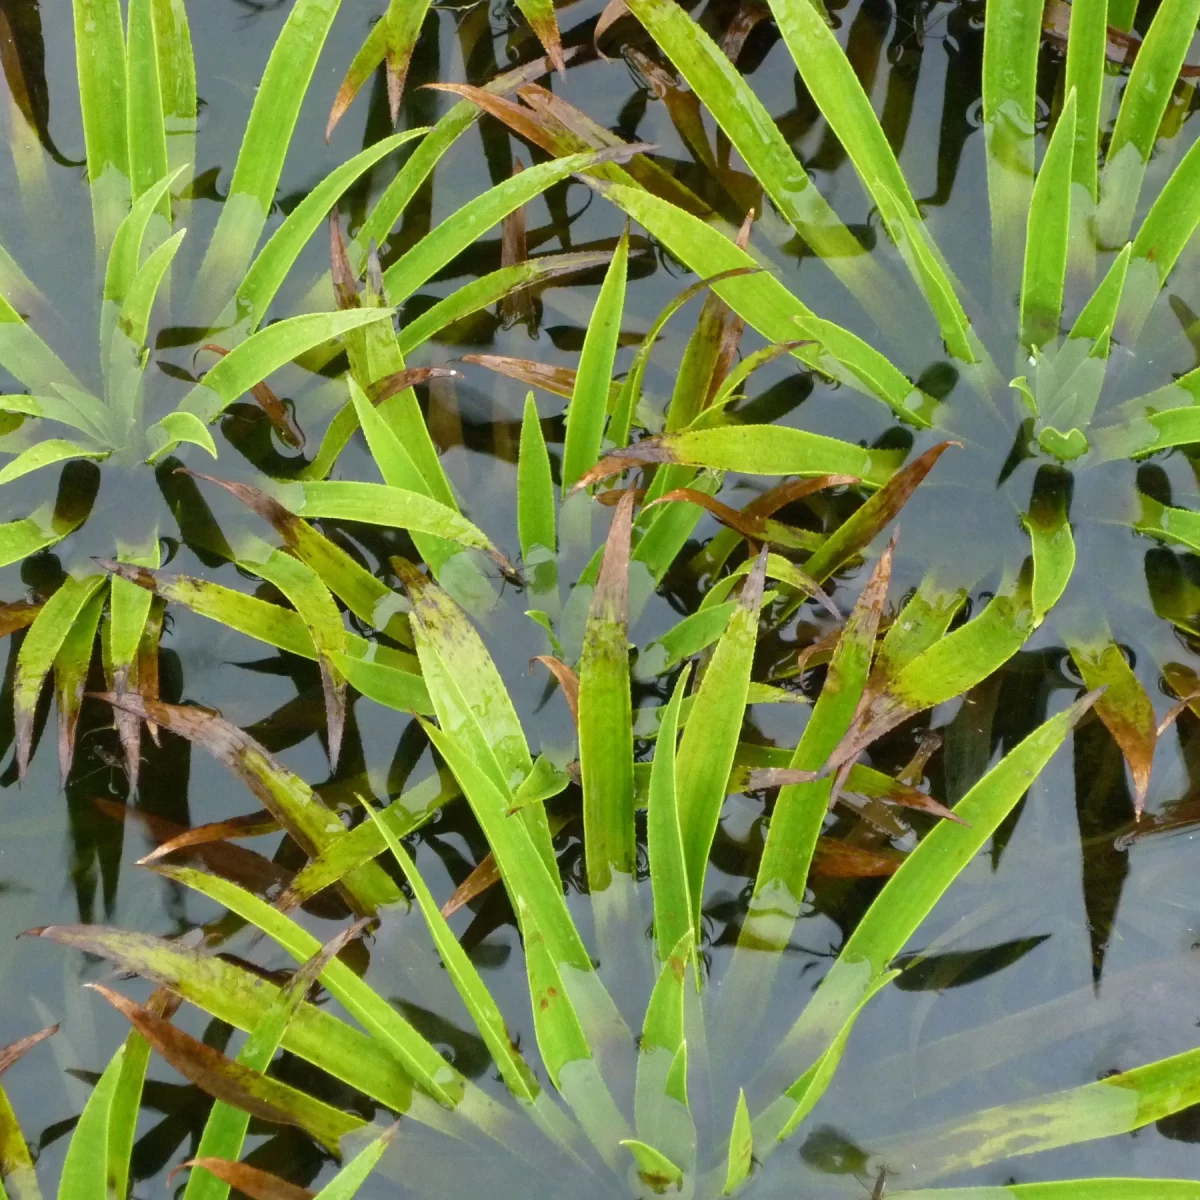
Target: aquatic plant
[
  {"x": 132, "y": 411},
  {"x": 678, "y": 1108},
  {"x": 695, "y": 1102},
  {"x": 1065, "y": 450}
]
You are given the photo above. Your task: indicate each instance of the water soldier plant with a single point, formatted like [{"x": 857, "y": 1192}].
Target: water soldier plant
[
  {"x": 674, "y": 1110},
  {"x": 132, "y": 411},
  {"x": 701, "y": 1100}
]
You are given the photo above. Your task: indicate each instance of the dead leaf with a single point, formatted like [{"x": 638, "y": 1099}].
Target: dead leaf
[
  {"x": 230, "y": 1081},
  {"x": 567, "y": 680},
  {"x": 250, "y": 1181},
  {"x": 14, "y": 1050},
  {"x": 274, "y": 408}
]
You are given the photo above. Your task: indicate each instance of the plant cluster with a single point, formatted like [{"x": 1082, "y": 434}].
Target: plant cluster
[{"x": 656, "y": 1069}]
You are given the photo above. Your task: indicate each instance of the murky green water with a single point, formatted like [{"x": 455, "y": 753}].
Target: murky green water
[{"x": 1074, "y": 947}]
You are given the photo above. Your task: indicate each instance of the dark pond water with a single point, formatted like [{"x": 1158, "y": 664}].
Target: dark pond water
[{"x": 1078, "y": 950}]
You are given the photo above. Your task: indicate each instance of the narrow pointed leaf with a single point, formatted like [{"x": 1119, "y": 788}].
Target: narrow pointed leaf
[
  {"x": 589, "y": 401},
  {"x": 605, "y": 720},
  {"x": 710, "y": 737}
]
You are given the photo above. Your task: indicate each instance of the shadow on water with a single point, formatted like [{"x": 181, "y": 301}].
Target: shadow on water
[{"x": 1045, "y": 944}]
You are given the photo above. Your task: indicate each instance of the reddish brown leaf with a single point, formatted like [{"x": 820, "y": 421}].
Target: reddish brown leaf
[
  {"x": 546, "y": 28},
  {"x": 516, "y": 305},
  {"x": 614, "y": 10},
  {"x": 612, "y": 497},
  {"x": 274, "y": 408},
  {"x": 914, "y": 771},
  {"x": 345, "y": 282},
  {"x": 18, "y": 614},
  {"x": 567, "y": 680},
  {"x": 739, "y": 29},
  {"x": 247, "y": 868},
  {"x": 1124, "y": 707},
  {"x": 401, "y": 381},
  {"x": 230, "y": 1081},
  {"x": 475, "y": 884},
  {"x": 836, "y": 859},
  {"x": 253, "y": 824},
  {"x": 558, "y": 380},
  {"x": 148, "y": 652},
  {"x": 537, "y": 127},
  {"x": 280, "y": 791},
  {"x": 855, "y": 534},
  {"x": 250, "y": 1181},
  {"x": 14, "y": 1050},
  {"x": 771, "y": 501}
]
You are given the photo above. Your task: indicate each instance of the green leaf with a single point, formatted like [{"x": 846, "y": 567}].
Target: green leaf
[
  {"x": 800, "y": 809},
  {"x": 654, "y": 1168},
  {"x": 589, "y": 403},
  {"x": 742, "y": 117},
  {"x": 766, "y": 304},
  {"x": 1096, "y": 320},
  {"x": 179, "y": 427},
  {"x": 267, "y": 351},
  {"x": 474, "y": 218},
  {"x": 82, "y": 412},
  {"x": 1086, "y": 45},
  {"x": 477, "y": 999},
  {"x": 522, "y": 868},
  {"x": 605, "y": 718},
  {"x": 907, "y": 899},
  {"x": 1048, "y": 237},
  {"x": 564, "y": 1046},
  {"x": 242, "y": 998},
  {"x": 836, "y": 91},
  {"x": 145, "y": 120},
  {"x": 471, "y": 700},
  {"x": 350, "y": 1178},
  {"x": 85, "y": 1168},
  {"x": 711, "y": 734},
  {"x": 134, "y": 318},
  {"x": 377, "y": 504},
  {"x": 804, "y": 1094},
  {"x": 210, "y": 1069},
  {"x": 177, "y": 80},
  {"x": 18, "y": 1179},
  {"x": 402, "y": 690},
  {"x": 1049, "y": 524},
  {"x": 125, "y": 1109},
  {"x": 479, "y": 293},
  {"x": 389, "y": 451},
  {"x": 125, "y": 256},
  {"x": 857, "y": 532},
  {"x": 46, "y": 454},
  {"x": 100, "y": 61},
  {"x": 225, "y": 1130},
  {"x": 1143, "y": 103},
  {"x": 660, "y": 1094},
  {"x": 277, "y": 101},
  {"x": 535, "y": 487},
  {"x": 543, "y": 22},
  {"x": 760, "y": 450},
  {"x": 24, "y": 354},
  {"x": 303, "y": 588},
  {"x": 741, "y": 1148},
  {"x": 1011, "y": 38},
  {"x": 373, "y": 1011},
  {"x": 36, "y": 656},
  {"x": 275, "y": 260},
  {"x": 1116, "y": 1105}
]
